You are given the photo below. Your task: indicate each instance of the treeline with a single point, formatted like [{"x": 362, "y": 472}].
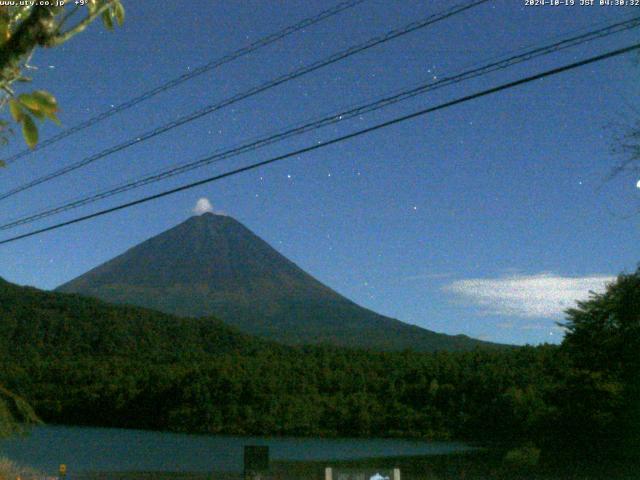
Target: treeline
[
  {"x": 80, "y": 361},
  {"x": 318, "y": 391}
]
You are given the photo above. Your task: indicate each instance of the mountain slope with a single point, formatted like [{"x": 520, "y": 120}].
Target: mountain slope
[
  {"x": 213, "y": 265},
  {"x": 80, "y": 361},
  {"x": 36, "y": 324}
]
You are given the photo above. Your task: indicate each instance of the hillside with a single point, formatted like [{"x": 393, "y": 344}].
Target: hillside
[
  {"x": 213, "y": 265},
  {"x": 38, "y": 324},
  {"x": 80, "y": 361}
]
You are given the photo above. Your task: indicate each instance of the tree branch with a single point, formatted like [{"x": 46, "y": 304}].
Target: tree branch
[
  {"x": 33, "y": 31},
  {"x": 80, "y": 27}
]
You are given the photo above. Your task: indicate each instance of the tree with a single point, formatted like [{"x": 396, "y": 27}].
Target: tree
[
  {"x": 603, "y": 340},
  {"x": 603, "y": 333},
  {"x": 24, "y": 28},
  {"x": 15, "y": 413},
  {"x": 626, "y": 145}
]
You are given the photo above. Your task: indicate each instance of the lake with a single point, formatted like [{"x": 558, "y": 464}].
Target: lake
[{"x": 120, "y": 450}]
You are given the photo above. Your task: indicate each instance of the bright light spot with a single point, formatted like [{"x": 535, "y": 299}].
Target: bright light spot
[
  {"x": 203, "y": 205},
  {"x": 638, "y": 184}
]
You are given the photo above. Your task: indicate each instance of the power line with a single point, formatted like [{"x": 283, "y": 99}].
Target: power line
[
  {"x": 393, "y": 34},
  {"x": 252, "y": 47},
  {"x": 379, "y": 126},
  {"x": 332, "y": 119}
]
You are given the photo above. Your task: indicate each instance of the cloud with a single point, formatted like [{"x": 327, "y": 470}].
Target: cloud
[
  {"x": 527, "y": 296},
  {"x": 203, "y": 205}
]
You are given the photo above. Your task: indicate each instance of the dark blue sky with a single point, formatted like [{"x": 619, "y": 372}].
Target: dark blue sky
[{"x": 485, "y": 218}]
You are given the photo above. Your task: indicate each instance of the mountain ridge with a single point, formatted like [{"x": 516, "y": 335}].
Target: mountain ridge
[
  {"x": 212, "y": 265},
  {"x": 40, "y": 324}
]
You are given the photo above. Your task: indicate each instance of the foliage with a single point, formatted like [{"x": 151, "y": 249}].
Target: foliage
[
  {"x": 82, "y": 361},
  {"x": 526, "y": 456},
  {"x": 85, "y": 362},
  {"x": 15, "y": 414},
  {"x": 38, "y": 324},
  {"x": 26, "y": 26},
  {"x": 603, "y": 341},
  {"x": 603, "y": 333}
]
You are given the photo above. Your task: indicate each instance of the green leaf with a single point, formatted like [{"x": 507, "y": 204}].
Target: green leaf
[
  {"x": 39, "y": 103},
  {"x": 2, "y": 164},
  {"x": 5, "y": 34},
  {"x": 93, "y": 6},
  {"x": 119, "y": 13},
  {"x": 29, "y": 131},
  {"x": 16, "y": 110},
  {"x": 53, "y": 117},
  {"x": 39, "y": 114},
  {"x": 107, "y": 20},
  {"x": 29, "y": 101},
  {"x": 47, "y": 101}
]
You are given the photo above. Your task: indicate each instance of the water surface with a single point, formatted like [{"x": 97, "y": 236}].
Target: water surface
[{"x": 113, "y": 450}]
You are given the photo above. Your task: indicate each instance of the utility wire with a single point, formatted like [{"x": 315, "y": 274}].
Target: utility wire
[
  {"x": 218, "y": 62},
  {"x": 331, "y": 119},
  {"x": 379, "y": 126},
  {"x": 411, "y": 27}
]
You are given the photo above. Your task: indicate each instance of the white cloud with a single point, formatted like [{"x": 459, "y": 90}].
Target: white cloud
[
  {"x": 203, "y": 205},
  {"x": 527, "y": 296}
]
